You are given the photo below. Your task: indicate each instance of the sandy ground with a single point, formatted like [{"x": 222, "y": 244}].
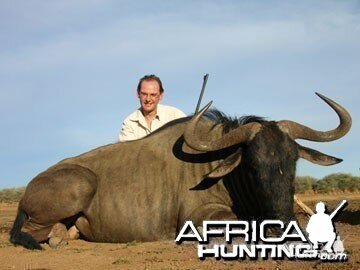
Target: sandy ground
[{"x": 168, "y": 255}]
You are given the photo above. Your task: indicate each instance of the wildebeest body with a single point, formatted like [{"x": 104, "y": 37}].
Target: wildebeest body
[{"x": 130, "y": 191}]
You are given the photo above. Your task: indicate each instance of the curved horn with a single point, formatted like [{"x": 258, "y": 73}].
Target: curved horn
[
  {"x": 298, "y": 131},
  {"x": 236, "y": 136}
]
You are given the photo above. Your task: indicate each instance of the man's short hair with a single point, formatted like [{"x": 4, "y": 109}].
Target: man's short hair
[{"x": 151, "y": 77}]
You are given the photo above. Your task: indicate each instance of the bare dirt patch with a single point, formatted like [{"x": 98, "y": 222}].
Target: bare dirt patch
[{"x": 167, "y": 255}]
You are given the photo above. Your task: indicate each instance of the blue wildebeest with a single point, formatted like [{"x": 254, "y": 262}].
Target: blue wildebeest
[{"x": 205, "y": 167}]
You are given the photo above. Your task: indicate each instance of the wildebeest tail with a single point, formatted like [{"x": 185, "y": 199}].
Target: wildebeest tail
[{"x": 17, "y": 237}]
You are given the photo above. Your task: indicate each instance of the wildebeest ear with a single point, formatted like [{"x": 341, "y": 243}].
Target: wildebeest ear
[
  {"x": 227, "y": 165},
  {"x": 317, "y": 157}
]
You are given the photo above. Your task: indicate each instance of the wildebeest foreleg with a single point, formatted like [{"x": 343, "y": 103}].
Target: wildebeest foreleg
[
  {"x": 211, "y": 211},
  {"x": 82, "y": 224}
]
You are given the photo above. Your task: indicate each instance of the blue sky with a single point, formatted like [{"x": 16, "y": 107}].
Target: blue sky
[{"x": 69, "y": 69}]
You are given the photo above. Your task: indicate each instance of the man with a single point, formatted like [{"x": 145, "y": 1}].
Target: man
[{"x": 151, "y": 115}]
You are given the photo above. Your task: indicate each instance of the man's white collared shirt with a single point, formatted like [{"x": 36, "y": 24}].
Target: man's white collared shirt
[{"x": 135, "y": 126}]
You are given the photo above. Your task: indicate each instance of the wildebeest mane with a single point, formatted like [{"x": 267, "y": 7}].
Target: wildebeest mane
[
  {"x": 227, "y": 122},
  {"x": 219, "y": 118}
]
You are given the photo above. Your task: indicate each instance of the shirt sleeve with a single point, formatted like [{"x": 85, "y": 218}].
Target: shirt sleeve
[
  {"x": 127, "y": 132},
  {"x": 178, "y": 113}
]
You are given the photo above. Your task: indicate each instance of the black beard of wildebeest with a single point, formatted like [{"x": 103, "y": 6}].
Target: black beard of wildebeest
[
  {"x": 265, "y": 179},
  {"x": 205, "y": 167}
]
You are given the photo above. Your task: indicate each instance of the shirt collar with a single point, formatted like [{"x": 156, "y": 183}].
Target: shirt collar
[{"x": 138, "y": 116}]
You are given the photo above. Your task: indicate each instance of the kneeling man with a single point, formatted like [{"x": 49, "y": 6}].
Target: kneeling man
[{"x": 151, "y": 115}]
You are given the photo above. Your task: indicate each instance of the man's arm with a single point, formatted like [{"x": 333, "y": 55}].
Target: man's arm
[{"x": 127, "y": 132}]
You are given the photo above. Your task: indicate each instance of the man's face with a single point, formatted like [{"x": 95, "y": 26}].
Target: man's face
[{"x": 149, "y": 96}]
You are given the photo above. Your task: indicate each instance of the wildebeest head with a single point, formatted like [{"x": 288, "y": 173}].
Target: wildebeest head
[{"x": 265, "y": 161}]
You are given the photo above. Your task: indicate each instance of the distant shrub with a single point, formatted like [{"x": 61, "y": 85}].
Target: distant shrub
[
  {"x": 11, "y": 194},
  {"x": 339, "y": 181},
  {"x": 330, "y": 183},
  {"x": 304, "y": 183}
]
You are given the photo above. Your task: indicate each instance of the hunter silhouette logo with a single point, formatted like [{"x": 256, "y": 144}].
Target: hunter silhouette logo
[{"x": 321, "y": 229}]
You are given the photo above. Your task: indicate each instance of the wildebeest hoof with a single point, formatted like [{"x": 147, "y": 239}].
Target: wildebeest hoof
[
  {"x": 59, "y": 230},
  {"x": 55, "y": 242},
  {"x": 73, "y": 233}
]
